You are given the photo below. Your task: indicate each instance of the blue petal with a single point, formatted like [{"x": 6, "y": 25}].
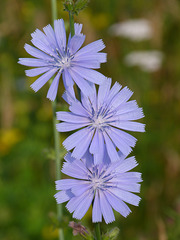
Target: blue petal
[
  {"x": 52, "y": 92},
  {"x": 86, "y": 103},
  {"x": 82, "y": 145},
  {"x": 81, "y": 165},
  {"x": 126, "y": 196},
  {"x": 92, "y": 48},
  {"x": 77, "y": 28},
  {"x": 74, "y": 202},
  {"x": 36, "y": 71},
  {"x": 130, "y": 177},
  {"x": 74, "y": 170},
  {"x": 42, "y": 80},
  {"x": 37, "y": 34},
  {"x": 40, "y": 40},
  {"x": 127, "y": 138},
  {"x": 90, "y": 75},
  {"x": 119, "y": 142},
  {"x": 110, "y": 148},
  {"x": 130, "y": 126},
  {"x": 133, "y": 115},
  {"x": 74, "y": 139},
  {"x": 131, "y": 187},
  {"x": 68, "y": 82},
  {"x": 96, "y": 212},
  {"x": 85, "y": 186},
  {"x": 113, "y": 92},
  {"x": 68, "y": 158},
  {"x": 50, "y": 35},
  {"x": 94, "y": 148},
  {"x": 84, "y": 85},
  {"x": 118, "y": 204},
  {"x": 75, "y": 43},
  {"x": 78, "y": 109},
  {"x": 127, "y": 165},
  {"x": 66, "y": 126},
  {"x": 103, "y": 91},
  {"x": 61, "y": 197},
  {"x": 33, "y": 62},
  {"x": 106, "y": 208},
  {"x": 122, "y": 97},
  {"x": 127, "y": 107},
  {"x": 60, "y": 33},
  {"x": 97, "y": 147},
  {"x": 86, "y": 64},
  {"x": 106, "y": 158},
  {"x": 83, "y": 206},
  {"x": 87, "y": 159},
  {"x": 70, "y": 117},
  {"x": 65, "y": 184},
  {"x": 69, "y": 97},
  {"x": 37, "y": 53},
  {"x": 100, "y": 57}
]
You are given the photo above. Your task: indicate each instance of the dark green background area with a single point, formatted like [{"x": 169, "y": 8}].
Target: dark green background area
[{"x": 27, "y": 170}]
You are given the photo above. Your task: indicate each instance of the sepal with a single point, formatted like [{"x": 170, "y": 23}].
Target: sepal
[
  {"x": 75, "y": 6},
  {"x": 112, "y": 234}
]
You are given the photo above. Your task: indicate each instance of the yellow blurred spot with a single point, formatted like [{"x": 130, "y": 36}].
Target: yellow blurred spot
[
  {"x": 49, "y": 232},
  {"x": 154, "y": 97},
  {"x": 44, "y": 113},
  {"x": 8, "y": 138},
  {"x": 28, "y": 9},
  {"x": 100, "y": 21}
]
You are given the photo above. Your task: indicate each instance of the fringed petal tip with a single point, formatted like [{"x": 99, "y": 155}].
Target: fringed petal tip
[
  {"x": 33, "y": 87},
  {"x": 65, "y": 146},
  {"x": 20, "y": 61},
  {"x": 51, "y": 98},
  {"x": 102, "y": 44}
]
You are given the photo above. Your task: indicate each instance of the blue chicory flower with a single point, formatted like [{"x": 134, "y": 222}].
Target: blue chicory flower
[
  {"x": 100, "y": 118},
  {"x": 108, "y": 186},
  {"x": 52, "y": 56}
]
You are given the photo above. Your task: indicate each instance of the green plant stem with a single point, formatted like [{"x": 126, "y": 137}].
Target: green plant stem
[
  {"x": 57, "y": 137},
  {"x": 54, "y": 10},
  {"x": 97, "y": 231},
  {"x": 71, "y": 22}
]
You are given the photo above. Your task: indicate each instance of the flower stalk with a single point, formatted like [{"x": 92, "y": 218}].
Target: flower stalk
[
  {"x": 71, "y": 21},
  {"x": 97, "y": 231},
  {"x": 57, "y": 137}
]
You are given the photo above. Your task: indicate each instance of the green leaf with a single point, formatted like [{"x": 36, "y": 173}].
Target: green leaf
[
  {"x": 80, "y": 5},
  {"x": 112, "y": 235},
  {"x": 75, "y": 6},
  {"x": 69, "y": 5}
]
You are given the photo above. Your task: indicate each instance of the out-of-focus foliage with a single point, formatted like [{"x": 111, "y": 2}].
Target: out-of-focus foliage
[{"x": 27, "y": 169}]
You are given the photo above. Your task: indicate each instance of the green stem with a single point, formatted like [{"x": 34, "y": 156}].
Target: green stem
[
  {"x": 54, "y": 10},
  {"x": 97, "y": 231},
  {"x": 71, "y": 22},
  {"x": 57, "y": 137}
]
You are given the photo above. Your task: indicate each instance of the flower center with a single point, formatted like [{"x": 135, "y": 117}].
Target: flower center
[
  {"x": 97, "y": 182},
  {"x": 98, "y": 122},
  {"x": 65, "y": 62}
]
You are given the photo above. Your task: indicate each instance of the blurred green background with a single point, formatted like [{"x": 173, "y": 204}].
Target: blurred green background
[{"x": 27, "y": 170}]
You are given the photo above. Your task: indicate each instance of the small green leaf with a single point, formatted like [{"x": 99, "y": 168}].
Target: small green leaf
[
  {"x": 80, "y": 5},
  {"x": 68, "y": 5},
  {"x": 75, "y": 6},
  {"x": 112, "y": 235}
]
